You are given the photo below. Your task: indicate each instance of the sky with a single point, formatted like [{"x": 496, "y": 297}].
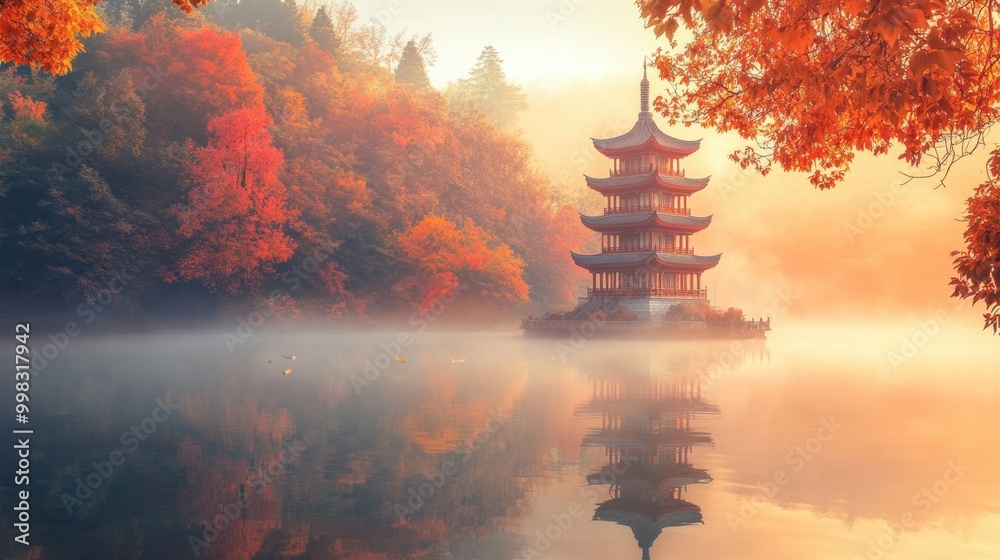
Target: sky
[
  {"x": 870, "y": 250},
  {"x": 545, "y": 42}
]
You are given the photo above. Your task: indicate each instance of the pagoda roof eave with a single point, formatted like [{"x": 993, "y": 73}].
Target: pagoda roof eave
[
  {"x": 675, "y": 475},
  {"x": 643, "y": 136},
  {"x": 670, "y": 183},
  {"x": 674, "y": 513},
  {"x": 664, "y": 441},
  {"x": 650, "y": 480},
  {"x": 619, "y": 261},
  {"x": 679, "y": 223}
]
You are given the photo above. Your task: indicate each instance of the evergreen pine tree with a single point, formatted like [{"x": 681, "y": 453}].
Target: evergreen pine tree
[
  {"x": 411, "y": 70},
  {"x": 322, "y": 31},
  {"x": 487, "y": 90},
  {"x": 278, "y": 19}
]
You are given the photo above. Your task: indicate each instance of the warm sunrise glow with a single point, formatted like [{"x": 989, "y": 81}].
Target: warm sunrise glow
[{"x": 500, "y": 280}]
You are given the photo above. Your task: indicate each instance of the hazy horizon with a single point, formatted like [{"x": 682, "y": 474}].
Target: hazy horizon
[{"x": 869, "y": 250}]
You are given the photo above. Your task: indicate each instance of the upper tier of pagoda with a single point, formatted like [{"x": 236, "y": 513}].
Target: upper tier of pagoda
[{"x": 645, "y": 137}]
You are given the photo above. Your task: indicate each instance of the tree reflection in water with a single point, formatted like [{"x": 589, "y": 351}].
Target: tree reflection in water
[{"x": 221, "y": 468}]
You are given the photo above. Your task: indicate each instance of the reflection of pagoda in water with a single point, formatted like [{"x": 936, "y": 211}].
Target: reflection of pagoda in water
[{"x": 647, "y": 435}]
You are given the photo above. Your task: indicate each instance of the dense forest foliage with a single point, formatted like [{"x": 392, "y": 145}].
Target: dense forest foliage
[{"x": 259, "y": 152}]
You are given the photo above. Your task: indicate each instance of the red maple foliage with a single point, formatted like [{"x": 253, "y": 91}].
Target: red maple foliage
[
  {"x": 26, "y": 108},
  {"x": 366, "y": 167},
  {"x": 186, "y": 75},
  {"x": 812, "y": 82},
  {"x": 46, "y": 33},
  {"x": 449, "y": 257},
  {"x": 237, "y": 206},
  {"x": 978, "y": 266}
]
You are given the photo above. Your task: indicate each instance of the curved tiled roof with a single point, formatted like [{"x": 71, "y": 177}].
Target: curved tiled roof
[
  {"x": 610, "y": 258},
  {"x": 637, "y": 258},
  {"x": 674, "y": 476},
  {"x": 633, "y": 439},
  {"x": 636, "y": 218},
  {"x": 668, "y": 513},
  {"x": 639, "y": 179},
  {"x": 643, "y": 130}
]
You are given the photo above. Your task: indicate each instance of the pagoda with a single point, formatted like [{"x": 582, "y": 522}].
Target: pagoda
[
  {"x": 647, "y": 435},
  {"x": 647, "y": 263}
]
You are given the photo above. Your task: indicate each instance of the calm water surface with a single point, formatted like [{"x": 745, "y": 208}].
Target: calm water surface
[{"x": 815, "y": 445}]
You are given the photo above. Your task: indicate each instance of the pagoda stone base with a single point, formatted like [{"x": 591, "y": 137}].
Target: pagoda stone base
[{"x": 645, "y": 308}]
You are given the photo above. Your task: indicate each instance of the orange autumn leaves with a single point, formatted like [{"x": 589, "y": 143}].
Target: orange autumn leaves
[
  {"x": 189, "y": 74},
  {"x": 449, "y": 256},
  {"x": 816, "y": 81},
  {"x": 26, "y": 108},
  {"x": 238, "y": 211},
  {"x": 47, "y": 33},
  {"x": 235, "y": 221},
  {"x": 250, "y": 159},
  {"x": 978, "y": 266},
  {"x": 812, "y": 82}
]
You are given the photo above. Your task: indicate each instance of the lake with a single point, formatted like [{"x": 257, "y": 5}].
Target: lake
[{"x": 819, "y": 443}]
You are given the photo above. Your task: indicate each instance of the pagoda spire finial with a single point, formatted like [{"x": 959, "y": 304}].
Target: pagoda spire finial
[{"x": 644, "y": 95}]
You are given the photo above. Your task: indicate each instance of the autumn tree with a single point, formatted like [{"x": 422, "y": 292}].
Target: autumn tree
[
  {"x": 449, "y": 257},
  {"x": 487, "y": 90},
  {"x": 159, "y": 132},
  {"x": 236, "y": 210},
  {"x": 330, "y": 198},
  {"x": 410, "y": 70},
  {"x": 812, "y": 83},
  {"x": 188, "y": 6},
  {"x": 493, "y": 182},
  {"x": 374, "y": 44},
  {"x": 396, "y": 141},
  {"x": 978, "y": 266},
  {"x": 24, "y": 125},
  {"x": 187, "y": 75},
  {"x": 47, "y": 33}
]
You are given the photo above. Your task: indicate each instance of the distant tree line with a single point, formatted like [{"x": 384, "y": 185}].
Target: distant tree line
[{"x": 260, "y": 151}]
